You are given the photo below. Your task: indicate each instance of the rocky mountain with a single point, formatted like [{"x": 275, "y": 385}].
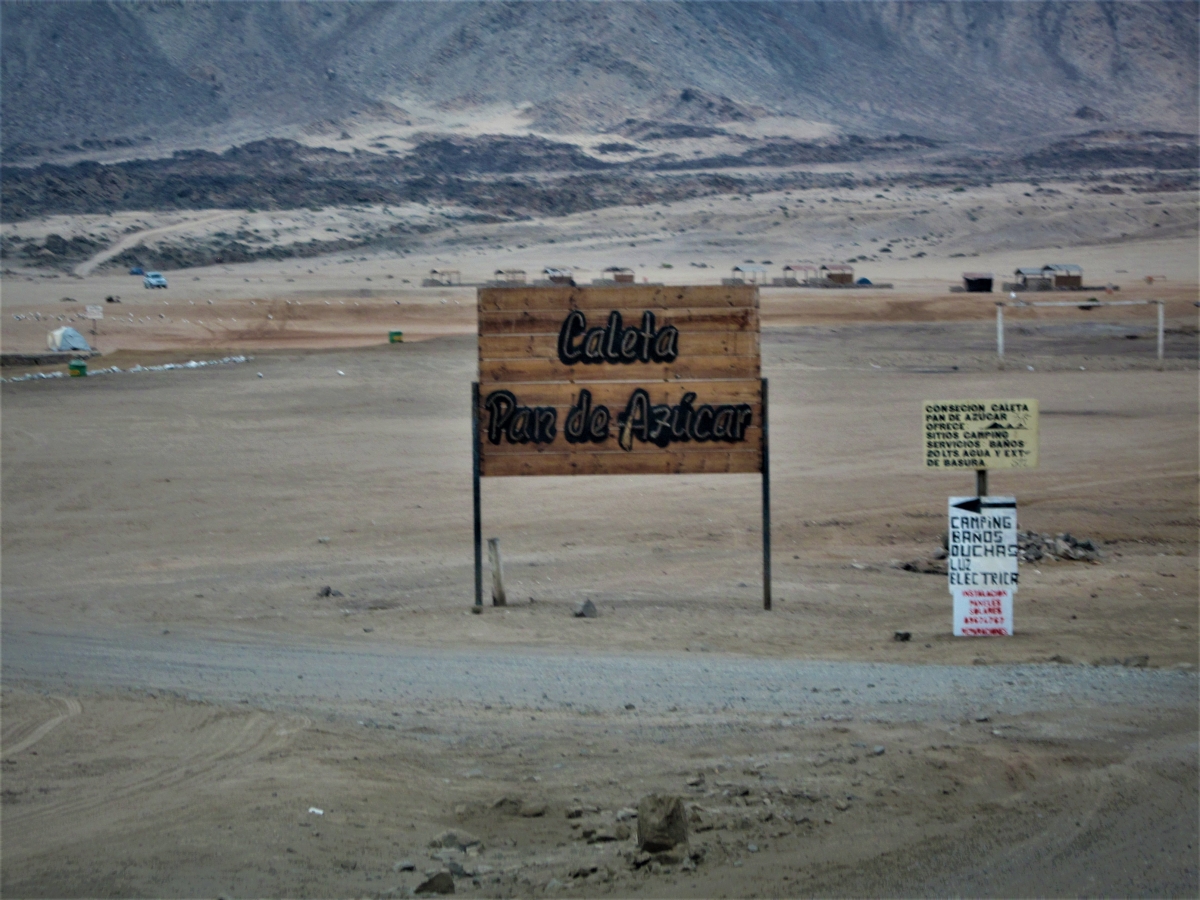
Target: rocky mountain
[{"x": 99, "y": 74}]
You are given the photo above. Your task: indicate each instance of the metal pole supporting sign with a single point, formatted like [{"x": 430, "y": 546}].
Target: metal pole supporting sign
[
  {"x": 766, "y": 502},
  {"x": 475, "y": 491}
]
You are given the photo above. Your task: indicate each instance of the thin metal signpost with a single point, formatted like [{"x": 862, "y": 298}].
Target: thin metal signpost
[
  {"x": 475, "y": 493},
  {"x": 766, "y": 502}
]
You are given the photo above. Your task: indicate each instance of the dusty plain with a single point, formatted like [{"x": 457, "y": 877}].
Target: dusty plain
[{"x": 208, "y": 508}]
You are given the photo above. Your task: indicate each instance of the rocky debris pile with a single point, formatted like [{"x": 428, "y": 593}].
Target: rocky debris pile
[{"x": 1032, "y": 547}]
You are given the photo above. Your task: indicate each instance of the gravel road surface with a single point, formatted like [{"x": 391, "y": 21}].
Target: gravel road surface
[{"x": 274, "y": 673}]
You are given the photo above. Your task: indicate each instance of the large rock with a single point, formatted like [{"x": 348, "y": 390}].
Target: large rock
[
  {"x": 662, "y": 823},
  {"x": 441, "y": 883}
]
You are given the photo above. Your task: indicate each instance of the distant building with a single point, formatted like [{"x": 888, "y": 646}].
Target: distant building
[
  {"x": 556, "y": 275},
  {"x": 510, "y": 276},
  {"x": 1065, "y": 276},
  {"x": 442, "y": 278},
  {"x": 796, "y": 274},
  {"x": 978, "y": 282},
  {"x": 615, "y": 275},
  {"x": 1031, "y": 279},
  {"x": 747, "y": 275},
  {"x": 1050, "y": 277},
  {"x": 837, "y": 273}
]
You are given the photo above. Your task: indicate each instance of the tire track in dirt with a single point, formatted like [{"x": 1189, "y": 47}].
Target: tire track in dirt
[
  {"x": 71, "y": 706},
  {"x": 86, "y": 267},
  {"x": 222, "y": 743}
]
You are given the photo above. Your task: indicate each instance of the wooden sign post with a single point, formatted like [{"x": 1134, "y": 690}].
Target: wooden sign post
[{"x": 619, "y": 380}]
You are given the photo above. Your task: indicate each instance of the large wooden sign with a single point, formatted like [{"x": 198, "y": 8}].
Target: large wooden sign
[{"x": 620, "y": 380}]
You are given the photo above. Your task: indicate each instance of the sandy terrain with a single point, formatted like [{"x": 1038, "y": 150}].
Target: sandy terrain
[{"x": 210, "y": 507}]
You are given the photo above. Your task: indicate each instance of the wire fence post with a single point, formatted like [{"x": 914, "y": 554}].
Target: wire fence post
[
  {"x": 1000, "y": 334},
  {"x": 1161, "y": 334},
  {"x": 766, "y": 502}
]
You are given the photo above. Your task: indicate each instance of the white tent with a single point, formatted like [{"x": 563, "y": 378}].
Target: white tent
[{"x": 66, "y": 339}]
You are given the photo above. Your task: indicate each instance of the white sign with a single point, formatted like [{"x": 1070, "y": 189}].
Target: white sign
[
  {"x": 94, "y": 312},
  {"x": 983, "y": 612},
  {"x": 983, "y": 564}
]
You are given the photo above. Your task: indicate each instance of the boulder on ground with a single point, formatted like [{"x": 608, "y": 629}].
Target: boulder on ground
[
  {"x": 586, "y": 610},
  {"x": 441, "y": 883},
  {"x": 662, "y": 823}
]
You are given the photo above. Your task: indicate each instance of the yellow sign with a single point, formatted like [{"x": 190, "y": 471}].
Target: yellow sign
[{"x": 981, "y": 434}]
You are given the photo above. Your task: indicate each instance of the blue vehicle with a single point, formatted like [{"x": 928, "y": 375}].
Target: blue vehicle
[
  {"x": 137, "y": 270},
  {"x": 154, "y": 280}
]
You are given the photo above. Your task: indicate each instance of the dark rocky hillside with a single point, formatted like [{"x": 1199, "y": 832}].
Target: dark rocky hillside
[
  {"x": 100, "y": 74},
  {"x": 513, "y": 176}
]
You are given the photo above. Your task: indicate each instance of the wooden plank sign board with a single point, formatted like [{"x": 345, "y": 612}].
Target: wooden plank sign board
[
  {"x": 619, "y": 380},
  {"x": 980, "y": 434}
]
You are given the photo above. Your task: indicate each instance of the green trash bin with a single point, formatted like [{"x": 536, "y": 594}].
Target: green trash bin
[
  {"x": 395, "y": 337},
  {"x": 78, "y": 368}
]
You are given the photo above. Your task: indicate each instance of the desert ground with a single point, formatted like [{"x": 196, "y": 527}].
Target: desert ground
[{"x": 236, "y": 594}]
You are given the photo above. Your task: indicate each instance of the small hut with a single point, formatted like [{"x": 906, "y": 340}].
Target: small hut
[
  {"x": 835, "y": 273},
  {"x": 747, "y": 275},
  {"x": 796, "y": 274},
  {"x": 442, "y": 278},
  {"x": 1064, "y": 276},
  {"x": 978, "y": 282},
  {"x": 615, "y": 275},
  {"x": 557, "y": 275},
  {"x": 509, "y": 276},
  {"x": 1029, "y": 278}
]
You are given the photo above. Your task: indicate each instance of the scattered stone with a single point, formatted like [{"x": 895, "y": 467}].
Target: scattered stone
[
  {"x": 630, "y": 706},
  {"x": 662, "y": 823},
  {"x": 878, "y": 750},
  {"x": 509, "y": 806},
  {"x": 441, "y": 883},
  {"x": 553, "y": 885},
  {"x": 586, "y": 610},
  {"x": 752, "y": 848},
  {"x": 932, "y": 566},
  {"x": 1136, "y": 662},
  {"x": 1032, "y": 547},
  {"x": 459, "y": 840},
  {"x": 405, "y": 865},
  {"x": 328, "y": 591},
  {"x": 700, "y": 820},
  {"x": 902, "y": 636},
  {"x": 841, "y": 806},
  {"x": 983, "y": 718},
  {"x": 622, "y": 832},
  {"x": 584, "y": 871},
  {"x": 625, "y": 813},
  {"x": 696, "y": 780},
  {"x": 533, "y": 811},
  {"x": 574, "y": 812}
]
